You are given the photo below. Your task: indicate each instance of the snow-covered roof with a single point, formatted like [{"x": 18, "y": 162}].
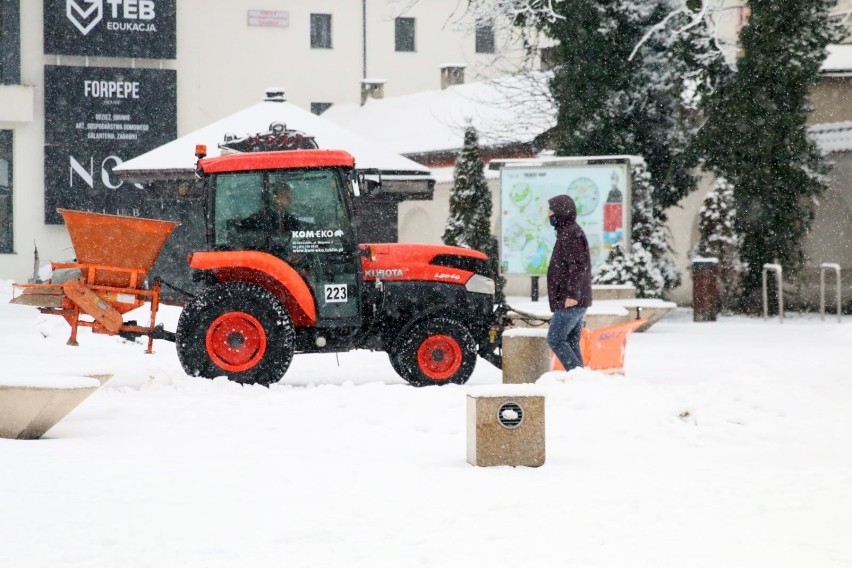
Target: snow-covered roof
[
  {"x": 509, "y": 110},
  {"x": 832, "y": 136},
  {"x": 178, "y": 156},
  {"x": 838, "y": 62}
]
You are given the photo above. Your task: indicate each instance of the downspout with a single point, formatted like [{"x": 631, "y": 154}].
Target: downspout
[{"x": 364, "y": 39}]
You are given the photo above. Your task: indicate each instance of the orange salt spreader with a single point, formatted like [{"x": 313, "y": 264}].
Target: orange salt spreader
[{"x": 113, "y": 257}]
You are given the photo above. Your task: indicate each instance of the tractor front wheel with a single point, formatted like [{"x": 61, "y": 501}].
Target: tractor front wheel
[
  {"x": 435, "y": 352},
  {"x": 238, "y": 330}
]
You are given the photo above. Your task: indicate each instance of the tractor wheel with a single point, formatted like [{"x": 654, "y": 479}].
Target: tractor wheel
[
  {"x": 435, "y": 352},
  {"x": 238, "y": 330}
]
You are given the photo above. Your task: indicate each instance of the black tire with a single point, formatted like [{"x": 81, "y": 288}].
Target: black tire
[
  {"x": 437, "y": 351},
  {"x": 238, "y": 330}
]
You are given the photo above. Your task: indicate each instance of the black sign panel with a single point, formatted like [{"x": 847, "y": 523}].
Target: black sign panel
[
  {"x": 110, "y": 28},
  {"x": 95, "y": 119}
]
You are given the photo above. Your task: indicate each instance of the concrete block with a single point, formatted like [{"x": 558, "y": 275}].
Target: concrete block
[
  {"x": 505, "y": 426},
  {"x": 613, "y": 292},
  {"x": 526, "y": 355},
  {"x": 30, "y": 407}
]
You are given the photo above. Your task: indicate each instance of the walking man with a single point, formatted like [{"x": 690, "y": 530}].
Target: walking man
[{"x": 569, "y": 282}]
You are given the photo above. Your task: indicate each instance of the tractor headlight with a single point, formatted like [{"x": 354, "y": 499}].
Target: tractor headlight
[{"x": 480, "y": 284}]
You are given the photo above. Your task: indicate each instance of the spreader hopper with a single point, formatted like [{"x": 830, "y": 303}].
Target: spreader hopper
[{"x": 104, "y": 242}]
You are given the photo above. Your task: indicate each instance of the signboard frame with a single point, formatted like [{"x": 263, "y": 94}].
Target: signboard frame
[{"x": 526, "y": 238}]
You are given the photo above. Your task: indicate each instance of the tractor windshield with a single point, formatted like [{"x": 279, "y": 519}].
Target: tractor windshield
[{"x": 283, "y": 211}]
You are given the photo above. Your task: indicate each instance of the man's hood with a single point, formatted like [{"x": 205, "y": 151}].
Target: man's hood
[{"x": 564, "y": 210}]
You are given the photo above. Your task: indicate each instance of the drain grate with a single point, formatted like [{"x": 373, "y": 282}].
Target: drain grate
[{"x": 510, "y": 415}]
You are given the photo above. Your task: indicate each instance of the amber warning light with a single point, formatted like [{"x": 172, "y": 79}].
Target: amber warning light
[{"x": 200, "y": 150}]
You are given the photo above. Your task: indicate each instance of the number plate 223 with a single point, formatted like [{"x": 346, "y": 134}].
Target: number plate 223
[{"x": 336, "y": 293}]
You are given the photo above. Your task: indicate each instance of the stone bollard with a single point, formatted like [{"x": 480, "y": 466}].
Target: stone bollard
[
  {"x": 32, "y": 406},
  {"x": 526, "y": 354},
  {"x": 505, "y": 426}
]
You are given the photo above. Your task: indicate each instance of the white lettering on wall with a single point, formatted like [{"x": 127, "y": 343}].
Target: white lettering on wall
[
  {"x": 132, "y": 9},
  {"x": 86, "y": 176},
  {"x": 111, "y": 89},
  {"x": 86, "y": 14},
  {"x": 105, "y": 173}
]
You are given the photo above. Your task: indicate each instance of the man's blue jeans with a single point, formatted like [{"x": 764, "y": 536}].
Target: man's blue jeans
[{"x": 564, "y": 336}]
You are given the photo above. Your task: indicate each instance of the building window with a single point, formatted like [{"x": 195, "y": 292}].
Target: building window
[
  {"x": 404, "y": 34},
  {"x": 6, "y": 191},
  {"x": 319, "y": 108},
  {"x": 10, "y": 42},
  {"x": 484, "y": 37},
  {"x": 321, "y": 31}
]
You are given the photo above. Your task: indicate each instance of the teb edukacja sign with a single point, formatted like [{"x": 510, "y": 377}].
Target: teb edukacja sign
[{"x": 110, "y": 28}]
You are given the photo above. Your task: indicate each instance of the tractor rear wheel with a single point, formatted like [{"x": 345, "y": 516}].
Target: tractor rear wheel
[
  {"x": 437, "y": 351},
  {"x": 238, "y": 330}
]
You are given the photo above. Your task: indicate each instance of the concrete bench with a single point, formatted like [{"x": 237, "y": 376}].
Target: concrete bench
[
  {"x": 650, "y": 309},
  {"x": 30, "y": 406}
]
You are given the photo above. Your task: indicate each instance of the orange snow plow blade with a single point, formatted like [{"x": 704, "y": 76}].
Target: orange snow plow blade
[
  {"x": 114, "y": 255},
  {"x": 603, "y": 348}
]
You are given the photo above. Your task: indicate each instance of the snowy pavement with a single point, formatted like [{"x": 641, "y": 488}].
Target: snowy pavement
[{"x": 726, "y": 444}]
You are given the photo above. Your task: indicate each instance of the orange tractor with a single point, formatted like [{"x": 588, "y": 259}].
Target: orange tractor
[{"x": 283, "y": 273}]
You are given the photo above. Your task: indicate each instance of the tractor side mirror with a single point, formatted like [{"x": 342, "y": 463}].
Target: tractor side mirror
[{"x": 369, "y": 182}]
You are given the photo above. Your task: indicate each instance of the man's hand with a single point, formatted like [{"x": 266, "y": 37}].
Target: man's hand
[{"x": 570, "y": 302}]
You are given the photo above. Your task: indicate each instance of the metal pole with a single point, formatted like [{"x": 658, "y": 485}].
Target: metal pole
[
  {"x": 839, "y": 316},
  {"x": 764, "y": 296},
  {"x": 779, "y": 277},
  {"x": 822, "y": 268},
  {"x": 534, "y": 288},
  {"x": 364, "y": 39}
]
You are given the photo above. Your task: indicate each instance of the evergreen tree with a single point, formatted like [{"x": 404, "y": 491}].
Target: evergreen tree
[
  {"x": 648, "y": 264},
  {"x": 469, "y": 222},
  {"x": 719, "y": 239},
  {"x": 629, "y": 79},
  {"x": 755, "y": 134}
]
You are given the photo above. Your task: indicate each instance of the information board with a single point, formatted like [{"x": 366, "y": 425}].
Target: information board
[
  {"x": 95, "y": 119},
  {"x": 601, "y": 192}
]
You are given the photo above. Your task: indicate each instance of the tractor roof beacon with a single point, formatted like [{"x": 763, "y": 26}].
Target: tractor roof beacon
[{"x": 284, "y": 273}]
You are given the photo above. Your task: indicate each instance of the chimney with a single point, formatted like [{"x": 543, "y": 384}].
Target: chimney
[
  {"x": 372, "y": 88},
  {"x": 275, "y": 95},
  {"x": 452, "y": 74}
]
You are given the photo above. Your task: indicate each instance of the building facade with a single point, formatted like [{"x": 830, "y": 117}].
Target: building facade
[{"x": 86, "y": 85}]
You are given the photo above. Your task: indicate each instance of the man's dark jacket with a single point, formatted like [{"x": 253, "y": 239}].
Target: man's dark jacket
[{"x": 569, "y": 274}]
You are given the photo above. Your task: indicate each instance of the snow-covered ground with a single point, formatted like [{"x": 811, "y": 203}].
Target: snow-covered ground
[{"x": 726, "y": 444}]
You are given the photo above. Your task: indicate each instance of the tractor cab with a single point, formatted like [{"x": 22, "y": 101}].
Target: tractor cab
[{"x": 297, "y": 207}]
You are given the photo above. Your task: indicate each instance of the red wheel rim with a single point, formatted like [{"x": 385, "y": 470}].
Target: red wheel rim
[
  {"x": 439, "y": 357},
  {"x": 236, "y": 341}
]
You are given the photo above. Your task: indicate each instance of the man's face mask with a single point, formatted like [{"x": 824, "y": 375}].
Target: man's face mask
[{"x": 553, "y": 220}]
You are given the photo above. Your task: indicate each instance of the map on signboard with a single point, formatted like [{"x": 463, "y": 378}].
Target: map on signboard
[{"x": 527, "y": 238}]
